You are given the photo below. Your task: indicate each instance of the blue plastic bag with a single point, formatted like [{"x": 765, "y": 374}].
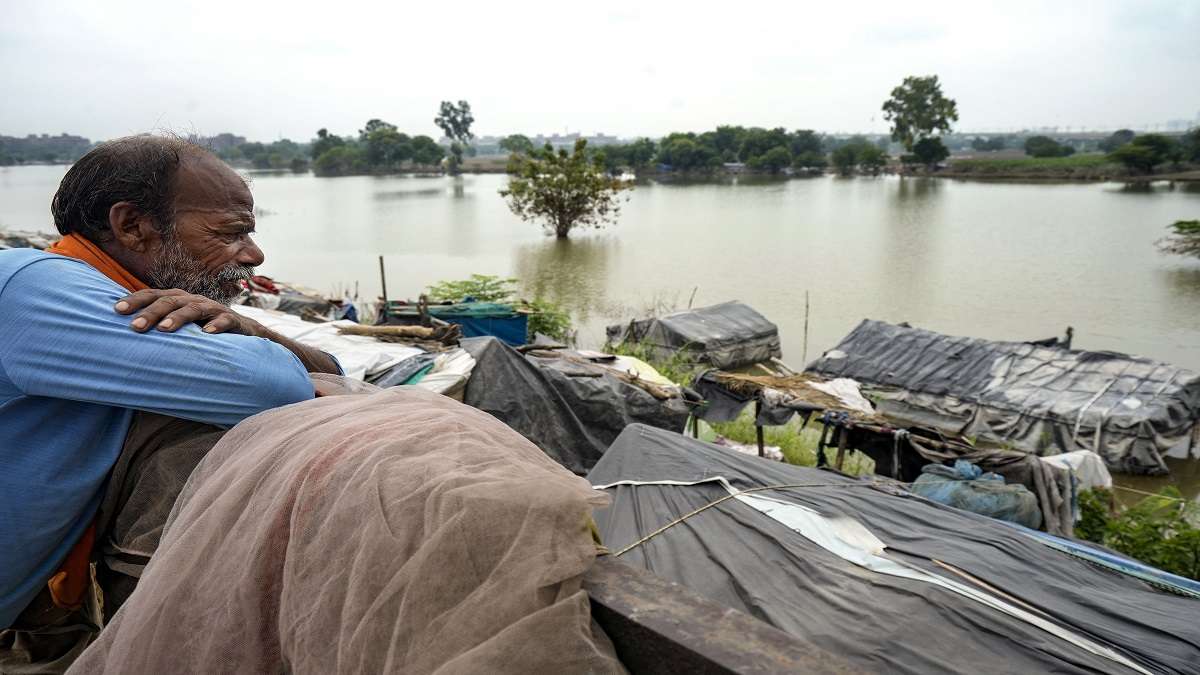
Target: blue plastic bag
[{"x": 965, "y": 486}]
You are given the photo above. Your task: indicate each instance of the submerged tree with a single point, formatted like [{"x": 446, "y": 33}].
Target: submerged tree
[
  {"x": 455, "y": 121},
  {"x": 1183, "y": 240},
  {"x": 918, "y": 110},
  {"x": 563, "y": 190}
]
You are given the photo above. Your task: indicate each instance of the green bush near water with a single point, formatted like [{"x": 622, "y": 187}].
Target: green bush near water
[
  {"x": 1161, "y": 530},
  {"x": 547, "y": 318}
]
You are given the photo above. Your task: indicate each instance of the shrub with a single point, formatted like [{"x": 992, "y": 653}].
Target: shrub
[{"x": 1158, "y": 530}]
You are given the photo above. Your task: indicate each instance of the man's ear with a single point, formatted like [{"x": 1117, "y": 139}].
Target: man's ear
[{"x": 132, "y": 228}]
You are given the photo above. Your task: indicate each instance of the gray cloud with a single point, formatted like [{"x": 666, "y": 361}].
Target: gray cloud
[{"x": 270, "y": 69}]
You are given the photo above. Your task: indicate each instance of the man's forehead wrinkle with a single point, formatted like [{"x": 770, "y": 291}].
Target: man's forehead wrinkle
[{"x": 207, "y": 184}]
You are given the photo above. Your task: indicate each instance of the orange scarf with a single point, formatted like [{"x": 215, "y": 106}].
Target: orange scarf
[
  {"x": 70, "y": 582},
  {"x": 75, "y": 246}
]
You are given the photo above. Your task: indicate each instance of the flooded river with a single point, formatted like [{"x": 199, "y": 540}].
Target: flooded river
[{"x": 1009, "y": 261}]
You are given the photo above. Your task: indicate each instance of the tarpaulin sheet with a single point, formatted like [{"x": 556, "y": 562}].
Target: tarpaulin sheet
[
  {"x": 1046, "y": 400},
  {"x": 727, "y": 335},
  {"x": 570, "y": 411},
  {"x": 479, "y": 319},
  {"x": 737, "y": 556}
]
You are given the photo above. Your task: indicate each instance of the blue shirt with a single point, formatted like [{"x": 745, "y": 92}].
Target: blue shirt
[{"x": 71, "y": 374}]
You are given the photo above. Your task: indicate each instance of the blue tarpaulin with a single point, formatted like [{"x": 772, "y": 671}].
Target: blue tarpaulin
[{"x": 481, "y": 319}]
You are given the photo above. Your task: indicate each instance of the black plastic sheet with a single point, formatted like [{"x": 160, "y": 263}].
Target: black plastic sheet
[
  {"x": 1041, "y": 399},
  {"x": 737, "y": 556},
  {"x": 569, "y": 410},
  {"x": 728, "y": 335}
]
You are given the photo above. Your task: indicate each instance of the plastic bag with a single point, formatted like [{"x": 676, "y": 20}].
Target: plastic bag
[{"x": 965, "y": 486}]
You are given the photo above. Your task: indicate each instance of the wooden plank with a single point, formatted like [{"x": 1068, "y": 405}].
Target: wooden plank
[{"x": 658, "y": 626}]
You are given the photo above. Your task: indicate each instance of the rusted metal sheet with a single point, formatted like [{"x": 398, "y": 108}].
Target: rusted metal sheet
[{"x": 658, "y": 626}]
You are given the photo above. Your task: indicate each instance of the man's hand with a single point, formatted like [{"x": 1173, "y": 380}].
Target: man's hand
[
  {"x": 172, "y": 309},
  {"x": 169, "y": 310}
]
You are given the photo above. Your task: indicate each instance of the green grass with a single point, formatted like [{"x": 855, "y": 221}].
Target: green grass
[
  {"x": 679, "y": 369},
  {"x": 1035, "y": 164},
  {"x": 799, "y": 446}
]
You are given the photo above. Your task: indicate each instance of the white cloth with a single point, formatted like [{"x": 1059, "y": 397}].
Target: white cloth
[
  {"x": 358, "y": 355},
  {"x": 1087, "y": 466},
  {"x": 450, "y": 373}
]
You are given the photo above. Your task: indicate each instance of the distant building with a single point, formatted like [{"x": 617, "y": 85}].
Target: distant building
[
  {"x": 45, "y": 148},
  {"x": 220, "y": 143}
]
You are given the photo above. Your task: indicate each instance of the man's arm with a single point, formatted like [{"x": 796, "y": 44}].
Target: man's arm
[
  {"x": 62, "y": 339},
  {"x": 170, "y": 310}
]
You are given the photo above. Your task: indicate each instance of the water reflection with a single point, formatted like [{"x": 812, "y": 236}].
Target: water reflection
[
  {"x": 388, "y": 195},
  {"x": 570, "y": 272},
  {"x": 1185, "y": 281},
  {"x": 914, "y": 190}
]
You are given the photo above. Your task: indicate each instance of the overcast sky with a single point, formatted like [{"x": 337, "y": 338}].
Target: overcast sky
[{"x": 268, "y": 70}]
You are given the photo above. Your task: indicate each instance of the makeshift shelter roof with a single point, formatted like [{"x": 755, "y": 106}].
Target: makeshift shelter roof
[
  {"x": 571, "y": 406},
  {"x": 888, "y": 580},
  {"x": 1047, "y": 400},
  {"x": 727, "y": 335}
]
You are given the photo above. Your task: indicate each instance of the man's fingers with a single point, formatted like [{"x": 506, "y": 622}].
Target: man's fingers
[
  {"x": 222, "y": 323},
  {"x": 189, "y": 312},
  {"x": 157, "y": 310},
  {"x": 139, "y": 299}
]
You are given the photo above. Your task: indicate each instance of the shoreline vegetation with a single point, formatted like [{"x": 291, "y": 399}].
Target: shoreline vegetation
[{"x": 727, "y": 151}]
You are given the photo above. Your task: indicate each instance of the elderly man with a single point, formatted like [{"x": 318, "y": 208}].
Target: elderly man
[{"x": 129, "y": 312}]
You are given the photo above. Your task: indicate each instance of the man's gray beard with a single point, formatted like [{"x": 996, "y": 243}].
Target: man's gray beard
[{"x": 176, "y": 268}]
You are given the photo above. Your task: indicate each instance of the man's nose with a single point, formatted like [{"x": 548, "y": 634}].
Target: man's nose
[{"x": 251, "y": 255}]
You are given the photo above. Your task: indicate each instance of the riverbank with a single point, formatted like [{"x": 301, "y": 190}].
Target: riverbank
[{"x": 1075, "y": 168}]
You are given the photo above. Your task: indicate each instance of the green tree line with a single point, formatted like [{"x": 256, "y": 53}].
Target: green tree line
[
  {"x": 379, "y": 147},
  {"x": 759, "y": 149},
  {"x": 281, "y": 154}
]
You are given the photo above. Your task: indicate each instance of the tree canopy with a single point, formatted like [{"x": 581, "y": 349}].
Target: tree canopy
[
  {"x": 455, "y": 121},
  {"x": 378, "y": 148},
  {"x": 858, "y": 153},
  {"x": 930, "y": 151},
  {"x": 1044, "y": 146},
  {"x": 563, "y": 191},
  {"x": 917, "y": 109},
  {"x": 1116, "y": 139},
  {"x": 774, "y": 160},
  {"x": 1145, "y": 152},
  {"x": 517, "y": 143}
]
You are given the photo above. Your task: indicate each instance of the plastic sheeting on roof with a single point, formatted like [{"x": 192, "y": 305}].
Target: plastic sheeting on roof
[
  {"x": 571, "y": 410},
  {"x": 727, "y": 335},
  {"x": 1046, "y": 400},
  {"x": 844, "y": 591}
]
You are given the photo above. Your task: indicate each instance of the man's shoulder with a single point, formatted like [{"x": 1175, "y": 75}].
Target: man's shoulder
[{"x": 29, "y": 262}]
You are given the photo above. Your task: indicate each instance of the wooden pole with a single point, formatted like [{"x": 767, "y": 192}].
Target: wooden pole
[
  {"x": 804, "y": 358},
  {"x": 841, "y": 453},
  {"x": 383, "y": 286},
  {"x": 758, "y": 430}
]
